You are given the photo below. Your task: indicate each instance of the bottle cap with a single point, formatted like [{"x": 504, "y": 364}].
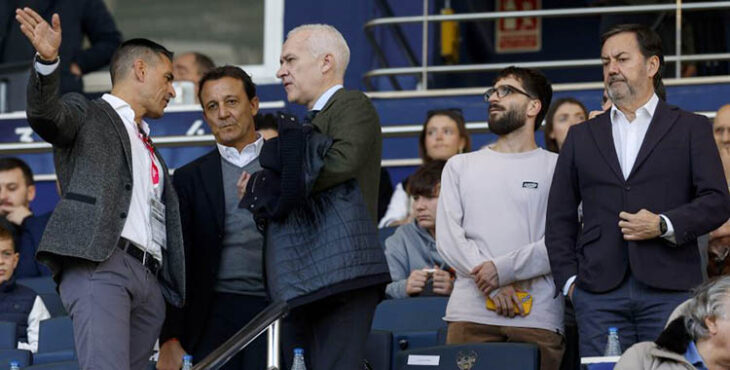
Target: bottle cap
[
  {"x": 187, "y": 358},
  {"x": 14, "y": 363},
  {"x": 612, "y": 330},
  {"x": 298, "y": 351}
]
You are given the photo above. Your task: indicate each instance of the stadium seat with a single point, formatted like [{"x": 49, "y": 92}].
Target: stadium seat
[
  {"x": 55, "y": 341},
  {"x": 378, "y": 349},
  {"x": 414, "y": 322},
  {"x": 45, "y": 287},
  {"x": 385, "y": 233},
  {"x": 65, "y": 365},
  {"x": 492, "y": 356},
  {"x": 8, "y": 337},
  {"x": 22, "y": 356}
]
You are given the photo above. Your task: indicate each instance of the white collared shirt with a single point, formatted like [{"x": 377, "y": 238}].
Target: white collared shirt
[
  {"x": 324, "y": 98},
  {"x": 137, "y": 227},
  {"x": 240, "y": 159},
  {"x": 628, "y": 136}
]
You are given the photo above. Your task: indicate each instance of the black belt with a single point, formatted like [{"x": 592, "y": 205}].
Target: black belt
[{"x": 145, "y": 258}]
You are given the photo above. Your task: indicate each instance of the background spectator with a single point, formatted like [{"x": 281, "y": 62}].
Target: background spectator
[
  {"x": 18, "y": 304},
  {"x": 17, "y": 190},
  {"x": 443, "y": 135},
  {"x": 81, "y": 19},
  {"x": 562, "y": 114},
  {"x": 411, "y": 251},
  {"x": 191, "y": 66}
]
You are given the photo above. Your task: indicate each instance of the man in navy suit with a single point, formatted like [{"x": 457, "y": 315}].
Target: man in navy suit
[{"x": 650, "y": 182}]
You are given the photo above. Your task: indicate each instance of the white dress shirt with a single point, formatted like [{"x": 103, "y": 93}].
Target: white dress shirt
[
  {"x": 137, "y": 227},
  {"x": 245, "y": 156},
  {"x": 324, "y": 98},
  {"x": 38, "y": 313},
  {"x": 627, "y": 139}
]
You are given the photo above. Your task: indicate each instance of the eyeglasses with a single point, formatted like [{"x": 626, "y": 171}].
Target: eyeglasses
[
  {"x": 435, "y": 112},
  {"x": 503, "y": 91}
]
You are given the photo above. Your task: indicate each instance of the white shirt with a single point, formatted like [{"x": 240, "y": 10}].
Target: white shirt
[
  {"x": 324, "y": 98},
  {"x": 38, "y": 313},
  {"x": 137, "y": 227},
  {"x": 627, "y": 139},
  {"x": 245, "y": 156}
]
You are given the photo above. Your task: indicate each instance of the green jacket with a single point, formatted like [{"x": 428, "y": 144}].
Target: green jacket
[{"x": 350, "y": 119}]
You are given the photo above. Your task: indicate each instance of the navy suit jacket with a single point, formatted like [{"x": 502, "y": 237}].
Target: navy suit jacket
[
  {"x": 202, "y": 214},
  {"x": 677, "y": 173},
  {"x": 30, "y": 233}
]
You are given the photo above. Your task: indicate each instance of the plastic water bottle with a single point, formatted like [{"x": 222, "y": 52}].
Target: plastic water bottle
[
  {"x": 14, "y": 365},
  {"x": 187, "y": 362},
  {"x": 613, "y": 347},
  {"x": 298, "y": 363}
]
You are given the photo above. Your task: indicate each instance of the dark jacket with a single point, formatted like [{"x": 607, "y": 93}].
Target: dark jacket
[
  {"x": 29, "y": 236},
  {"x": 16, "y": 302},
  {"x": 317, "y": 243},
  {"x": 677, "y": 173},
  {"x": 350, "y": 119},
  {"x": 79, "y": 19},
  {"x": 93, "y": 161}
]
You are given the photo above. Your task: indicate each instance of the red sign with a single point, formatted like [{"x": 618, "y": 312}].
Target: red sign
[{"x": 518, "y": 34}]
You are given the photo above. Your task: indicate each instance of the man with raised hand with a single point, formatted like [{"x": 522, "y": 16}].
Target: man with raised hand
[{"x": 114, "y": 241}]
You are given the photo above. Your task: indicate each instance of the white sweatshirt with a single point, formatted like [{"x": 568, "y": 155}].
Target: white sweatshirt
[{"x": 492, "y": 207}]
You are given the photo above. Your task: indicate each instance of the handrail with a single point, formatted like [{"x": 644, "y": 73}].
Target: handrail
[
  {"x": 243, "y": 337},
  {"x": 549, "y": 13},
  {"x": 424, "y": 69},
  {"x": 464, "y": 68}
]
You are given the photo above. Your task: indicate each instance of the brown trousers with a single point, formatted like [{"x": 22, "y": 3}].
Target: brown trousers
[{"x": 551, "y": 344}]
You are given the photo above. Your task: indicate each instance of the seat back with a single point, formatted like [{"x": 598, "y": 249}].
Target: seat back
[
  {"x": 22, "y": 356},
  {"x": 45, "y": 287},
  {"x": 481, "y": 356},
  {"x": 8, "y": 336},
  {"x": 56, "y": 334}
]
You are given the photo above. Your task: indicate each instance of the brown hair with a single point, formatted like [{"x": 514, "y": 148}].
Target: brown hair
[
  {"x": 456, "y": 116},
  {"x": 425, "y": 180},
  {"x": 550, "y": 143}
]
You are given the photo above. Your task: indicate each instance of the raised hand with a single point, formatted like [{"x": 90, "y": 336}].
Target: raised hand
[{"x": 46, "y": 39}]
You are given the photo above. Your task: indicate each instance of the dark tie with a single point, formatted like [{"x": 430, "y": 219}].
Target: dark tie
[{"x": 310, "y": 116}]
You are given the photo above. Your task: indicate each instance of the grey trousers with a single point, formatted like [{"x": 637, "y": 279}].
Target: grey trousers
[{"x": 117, "y": 311}]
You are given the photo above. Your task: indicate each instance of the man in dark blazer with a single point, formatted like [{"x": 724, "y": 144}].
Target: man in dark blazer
[
  {"x": 82, "y": 19},
  {"x": 333, "y": 330},
  {"x": 114, "y": 241},
  {"x": 223, "y": 245},
  {"x": 650, "y": 181}
]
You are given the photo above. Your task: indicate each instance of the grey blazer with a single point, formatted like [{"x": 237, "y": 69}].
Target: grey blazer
[{"x": 92, "y": 156}]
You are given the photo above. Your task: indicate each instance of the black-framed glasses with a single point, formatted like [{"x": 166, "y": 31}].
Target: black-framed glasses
[
  {"x": 435, "y": 112},
  {"x": 503, "y": 91}
]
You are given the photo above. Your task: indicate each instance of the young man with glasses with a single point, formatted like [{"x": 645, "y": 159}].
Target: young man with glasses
[{"x": 491, "y": 223}]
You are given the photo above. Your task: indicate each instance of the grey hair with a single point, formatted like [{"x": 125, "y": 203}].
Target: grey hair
[
  {"x": 709, "y": 300},
  {"x": 323, "y": 39}
]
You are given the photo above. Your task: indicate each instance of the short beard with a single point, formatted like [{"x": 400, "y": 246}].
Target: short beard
[
  {"x": 619, "y": 98},
  {"x": 510, "y": 121}
]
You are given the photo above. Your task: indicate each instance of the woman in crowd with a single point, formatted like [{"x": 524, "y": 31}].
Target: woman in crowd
[
  {"x": 564, "y": 112},
  {"x": 443, "y": 135}
]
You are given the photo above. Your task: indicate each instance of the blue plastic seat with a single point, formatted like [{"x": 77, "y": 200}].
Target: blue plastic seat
[
  {"x": 64, "y": 365},
  {"x": 8, "y": 335},
  {"x": 491, "y": 356},
  {"x": 55, "y": 341},
  {"x": 45, "y": 287},
  {"x": 23, "y": 357}
]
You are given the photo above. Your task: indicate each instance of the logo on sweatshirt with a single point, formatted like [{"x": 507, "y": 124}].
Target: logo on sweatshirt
[{"x": 529, "y": 185}]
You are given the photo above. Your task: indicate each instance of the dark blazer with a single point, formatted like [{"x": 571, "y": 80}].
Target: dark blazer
[
  {"x": 677, "y": 173},
  {"x": 30, "y": 233},
  {"x": 199, "y": 185},
  {"x": 350, "y": 119},
  {"x": 92, "y": 156},
  {"x": 79, "y": 18}
]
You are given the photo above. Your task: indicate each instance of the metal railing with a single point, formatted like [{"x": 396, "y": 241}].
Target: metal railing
[{"x": 424, "y": 69}]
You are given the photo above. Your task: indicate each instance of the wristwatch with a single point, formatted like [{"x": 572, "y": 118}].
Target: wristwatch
[
  {"x": 662, "y": 226},
  {"x": 45, "y": 62}
]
